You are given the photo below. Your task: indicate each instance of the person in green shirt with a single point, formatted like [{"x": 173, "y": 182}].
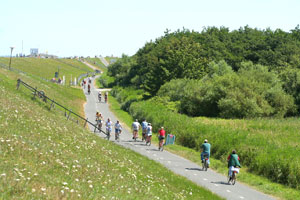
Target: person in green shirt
[
  {"x": 205, "y": 147},
  {"x": 233, "y": 162}
]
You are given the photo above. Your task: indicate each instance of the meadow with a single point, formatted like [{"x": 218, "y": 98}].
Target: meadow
[{"x": 44, "y": 156}]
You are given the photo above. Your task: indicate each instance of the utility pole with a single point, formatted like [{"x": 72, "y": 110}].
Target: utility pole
[{"x": 11, "y": 50}]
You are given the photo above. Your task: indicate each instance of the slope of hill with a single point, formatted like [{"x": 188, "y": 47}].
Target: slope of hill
[
  {"x": 46, "y": 68},
  {"x": 43, "y": 156}
]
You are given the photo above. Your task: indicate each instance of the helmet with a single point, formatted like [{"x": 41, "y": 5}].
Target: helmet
[{"x": 205, "y": 140}]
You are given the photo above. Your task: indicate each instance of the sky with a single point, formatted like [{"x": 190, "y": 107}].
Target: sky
[{"x": 115, "y": 27}]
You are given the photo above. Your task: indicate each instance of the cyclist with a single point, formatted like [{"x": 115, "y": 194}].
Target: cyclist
[
  {"x": 161, "y": 137},
  {"x": 149, "y": 134},
  {"x": 108, "y": 128},
  {"x": 135, "y": 129},
  {"x": 99, "y": 96},
  {"x": 89, "y": 88},
  {"x": 233, "y": 163},
  {"x": 99, "y": 119},
  {"x": 205, "y": 147},
  {"x": 144, "y": 128},
  {"x": 118, "y": 130},
  {"x": 106, "y": 96}
]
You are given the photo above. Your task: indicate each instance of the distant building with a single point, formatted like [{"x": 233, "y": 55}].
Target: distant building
[{"x": 34, "y": 52}]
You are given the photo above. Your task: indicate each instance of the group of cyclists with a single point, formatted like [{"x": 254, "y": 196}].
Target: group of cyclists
[
  {"x": 105, "y": 96},
  {"x": 233, "y": 159},
  {"x": 147, "y": 133},
  {"x": 88, "y": 82},
  {"x": 108, "y": 126}
]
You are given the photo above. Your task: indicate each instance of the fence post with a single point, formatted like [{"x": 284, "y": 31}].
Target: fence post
[
  {"x": 52, "y": 104},
  {"x": 18, "y": 83},
  {"x": 85, "y": 122},
  {"x": 69, "y": 114},
  {"x": 34, "y": 94}
]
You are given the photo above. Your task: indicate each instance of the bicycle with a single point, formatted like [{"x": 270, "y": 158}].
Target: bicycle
[
  {"x": 135, "y": 135},
  {"x": 205, "y": 163},
  {"x": 117, "y": 135},
  {"x": 148, "y": 140},
  {"x": 161, "y": 143},
  {"x": 232, "y": 178},
  {"x": 108, "y": 131}
]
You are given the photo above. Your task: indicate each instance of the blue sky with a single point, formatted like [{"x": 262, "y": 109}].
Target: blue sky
[{"x": 113, "y": 27}]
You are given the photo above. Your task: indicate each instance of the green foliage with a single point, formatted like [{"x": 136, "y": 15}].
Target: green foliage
[
  {"x": 291, "y": 83},
  {"x": 106, "y": 81},
  {"x": 268, "y": 147},
  {"x": 251, "y": 92},
  {"x": 126, "y": 96}
]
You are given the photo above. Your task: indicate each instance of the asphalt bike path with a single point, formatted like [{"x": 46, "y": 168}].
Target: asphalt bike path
[{"x": 211, "y": 180}]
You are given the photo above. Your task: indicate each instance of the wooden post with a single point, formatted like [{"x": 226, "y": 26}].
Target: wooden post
[
  {"x": 52, "y": 105},
  {"x": 18, "y": 83},
  {"x": 85, "y": 122},
  {"x": 69, "y": 114},
  {"x": 35, "y": 93}
]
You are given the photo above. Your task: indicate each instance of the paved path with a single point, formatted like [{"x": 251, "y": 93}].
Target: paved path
[
  {"x": 215, "y": 182},
  {"x": 104, "y": 61}
]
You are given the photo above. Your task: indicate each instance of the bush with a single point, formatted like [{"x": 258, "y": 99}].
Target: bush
[
  {"x": 251, "y": 92},
  {"x": 126, "y": 96}
]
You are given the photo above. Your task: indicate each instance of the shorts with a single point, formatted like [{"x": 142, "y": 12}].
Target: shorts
[{"x": 161, "y": 137}]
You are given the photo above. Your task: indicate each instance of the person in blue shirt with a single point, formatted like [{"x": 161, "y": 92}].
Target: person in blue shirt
[
  {"x": 144, "y": 128},
  {"x": 205, "y": 147}
]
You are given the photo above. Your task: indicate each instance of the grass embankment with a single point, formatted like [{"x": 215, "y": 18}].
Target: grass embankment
[
  {"x": 71, "y": 97},
  {"x": 258, "y": 182},
  {"x": 97, "y": 62},
  {"x": 44, "y": 156},
  {"x": 46, "y": 68}
]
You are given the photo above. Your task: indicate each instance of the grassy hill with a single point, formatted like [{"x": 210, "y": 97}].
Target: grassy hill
[
  {"x": 46, "y": 68},
  {"x": 44, "y": 156}
]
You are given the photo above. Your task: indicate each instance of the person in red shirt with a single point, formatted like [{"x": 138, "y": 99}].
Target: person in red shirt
[{"x": 161, "y": 137}]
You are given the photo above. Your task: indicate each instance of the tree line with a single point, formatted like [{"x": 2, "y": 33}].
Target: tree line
[{"x": 217, "y": 72}]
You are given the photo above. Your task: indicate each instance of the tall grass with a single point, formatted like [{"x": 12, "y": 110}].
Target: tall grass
[{"x": 268, "y": 147}]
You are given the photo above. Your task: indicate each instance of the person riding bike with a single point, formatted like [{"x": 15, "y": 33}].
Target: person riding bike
[
  {"x": 106, "y": 96},
  {"x": 233, "y": 163},
  {"x": 118, "y": 130},
  {"x": 108, "y": 128},
  {"x": 89, "y": 88},
  {"x": 161, "y": 137},
  {"x": 205, "y": 147},
  {"x": 99, "y": 119},
  {"x": 135, "y": 129},
  {"x": 99, "y": 96},
  {"x": 149, "y": 134},
  {"x": 144, "y": 128}
]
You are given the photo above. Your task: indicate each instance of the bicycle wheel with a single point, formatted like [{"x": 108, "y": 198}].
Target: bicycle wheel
[
  {"x": 233, "y": 179},
  {"x": 205, "y": 164}
]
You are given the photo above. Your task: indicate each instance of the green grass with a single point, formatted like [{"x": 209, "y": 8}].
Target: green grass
[
  {"x": 258, "y": 182},
  {"x": 46, "y": 68},
  {"x": 97, "y": 62},
  {"x": 44, "y": 156},
  {"x": 71, "y": 97}
]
